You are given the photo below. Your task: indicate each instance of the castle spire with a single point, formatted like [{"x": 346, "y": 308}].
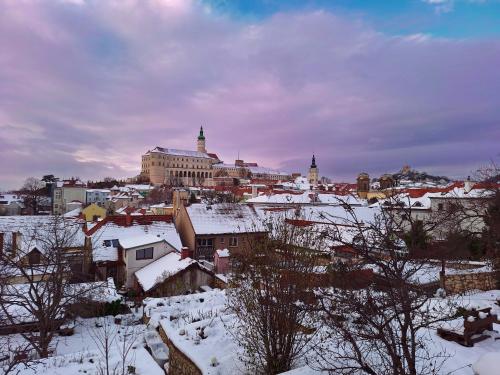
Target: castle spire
[
  {"x": 201, "y": 136},
  {"x": 313, "y": 163}
]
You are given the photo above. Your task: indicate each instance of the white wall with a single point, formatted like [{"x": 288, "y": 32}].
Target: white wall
[{"x": 159, "y": 249}]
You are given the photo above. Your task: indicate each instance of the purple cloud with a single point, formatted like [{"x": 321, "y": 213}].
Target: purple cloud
[{"x": 87, "y": 87}]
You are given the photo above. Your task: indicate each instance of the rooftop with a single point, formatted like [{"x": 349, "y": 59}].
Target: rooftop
[
  {"x": 223, "y": 218},
  {"x": 177, "y": 152},
  {"x": 161, "y": 269}
]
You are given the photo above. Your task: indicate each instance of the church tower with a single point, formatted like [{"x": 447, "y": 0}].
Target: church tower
[
  {"x": 201, "y": 142},
  {"x": 313, "y": 172}
]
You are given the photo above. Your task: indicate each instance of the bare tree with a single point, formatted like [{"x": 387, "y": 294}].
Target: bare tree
[
  {"x": 37, "y": 269},
  {"x": 126, "y": 342},
  {"x": 33, "y": 191},
  {"x": 380, "y": 329},
  {"x": 14, "y": 357},
  {"x": 110, "y": 339},
  {"x": 161, "y": 194},
  {"x": 271, "y": 286},
  {"x": 104, "y": 336}
]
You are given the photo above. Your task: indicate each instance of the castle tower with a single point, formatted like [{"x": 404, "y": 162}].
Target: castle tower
[
  {"x": 313, "y": 172},
  {"x": 363, "y": 185},
  {"x": 201, "y": 142}
]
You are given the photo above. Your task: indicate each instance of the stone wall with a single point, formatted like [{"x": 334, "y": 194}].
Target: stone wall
[
  {"x": 469, "y": 281},
  {"x": 179, "y": 363}
]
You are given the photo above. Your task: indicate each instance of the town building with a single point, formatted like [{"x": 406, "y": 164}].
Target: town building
[
  {"x": 97, "y": 196},
  {"x": 93, "y": 212},
  {"x": 10, "y": 204},
  {"x": 67, "y": 194},
  {"x": 205, "y": 228},
  {"x": 29, "y": 238},
  {"x": 124, "y": 244}
]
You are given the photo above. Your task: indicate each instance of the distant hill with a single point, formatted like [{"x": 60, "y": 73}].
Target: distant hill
[{"x": 408, "y": 174}]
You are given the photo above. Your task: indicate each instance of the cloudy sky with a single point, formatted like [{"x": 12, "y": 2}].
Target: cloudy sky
[{"x": 87, "y": 86}]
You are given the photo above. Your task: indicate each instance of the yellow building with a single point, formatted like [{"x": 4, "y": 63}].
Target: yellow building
[
  {"x": 180, "y": 167},
  {"x": 94, "y": 212}
]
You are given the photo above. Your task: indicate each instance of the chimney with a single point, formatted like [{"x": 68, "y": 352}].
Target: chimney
[
  {"x": 185, "y": 252},
  {"x": 254, "y": 191},
  {"x": 1, "y": 243},
  {"x": 128, "y": 220}
]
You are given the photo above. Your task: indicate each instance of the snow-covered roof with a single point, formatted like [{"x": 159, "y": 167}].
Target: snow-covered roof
[
  {"x": 307, "y": 197},
  {"x": 136, "y": 241},
  {"x": 74, "y": 213},
  {"x": 265, "y": 170},
  {"x": 177, "y": 152},
  {"x": 104, "y": 191},
  {"x": 161, "y": 269},
  {"x": 460, "y": 192},
  {"x": 112, "y": 231},
  {"x": 33, "y": 229},
  {"x": 223, "y": 218},
  {"x": 6, "y": 199},
  {"x": 300, "y": 183},
  {"x": 139, "y": 187}
]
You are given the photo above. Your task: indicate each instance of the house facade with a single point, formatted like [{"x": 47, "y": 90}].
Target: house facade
[{"x": 206, "y": 228}]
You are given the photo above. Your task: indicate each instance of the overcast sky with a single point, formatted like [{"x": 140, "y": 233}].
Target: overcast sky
[{"x": 86, "y": 87}]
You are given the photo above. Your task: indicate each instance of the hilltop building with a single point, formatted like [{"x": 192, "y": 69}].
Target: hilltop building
[
  {"x": 180, "y": 167},
  {"x": 199, "y": 168}
]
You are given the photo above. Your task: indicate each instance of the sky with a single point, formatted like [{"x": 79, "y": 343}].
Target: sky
[{"x": 88, "y": 86}]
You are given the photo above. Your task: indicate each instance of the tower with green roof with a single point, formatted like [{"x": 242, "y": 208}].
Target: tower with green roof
[{"x": 201, "y": 142}]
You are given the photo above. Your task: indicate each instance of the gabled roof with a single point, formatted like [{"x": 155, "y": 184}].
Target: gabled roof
[
  {"x": 161, "y": 269},
  {"x": 136, "y": 241},
  {"x": 125, "y": 228},
  {"x": 177, "y": 152},
  {"x": 35, "y": 229},
  {"x": 223, "y": 218}
]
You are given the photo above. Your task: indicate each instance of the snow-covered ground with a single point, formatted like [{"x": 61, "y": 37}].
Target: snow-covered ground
[
  {"x": 79, "y": 354},
  {"x": 198, "y": 325},
  {"x": 183, "y": 317}
]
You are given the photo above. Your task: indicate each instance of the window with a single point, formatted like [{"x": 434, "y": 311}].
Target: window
[
  {"x": 34, "y": 257},
  {"x": 146, "y": 253},
  {"x": 205, "y": 242},
  {"x": 440, "y": 207},
  {"x": 115, "y": 243},
  {"x": 222, "y": 240},
  {"x": 233, "y": 241}
]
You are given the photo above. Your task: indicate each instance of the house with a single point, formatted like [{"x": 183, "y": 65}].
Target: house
[
  {"x": 205, "y": 228},
  {"x": 97, "y": 196},
  {"x": 10, "y": 204},
  {"x": 280, "y": 198},
  {"x": 68, "y": 192},
  {"x": 162, "y": 209},
  {"x": 172, "y": 274},
  {"x": 123, "y": 244},
  {"x": 140, "y": 251},
  {"x": 93, "y": 212},
  {"x": 29, "y": 238}
]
